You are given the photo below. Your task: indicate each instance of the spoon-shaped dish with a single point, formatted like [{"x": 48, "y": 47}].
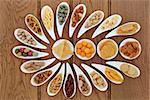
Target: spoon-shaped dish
[
  {"x": 63, "y": 10},
  {"x": 128, "y": 69},
  {"x": 26, "y": 38},
  {"x": 116, "y": 77},
  {"x": 126, "y": 29},
  {"x": 25, "y": 52},
  {"x": 72, "y": 29},
  {"x": 47, "y": 16},
  {"x": 72, "y": 91},
  {"x": 123, "y": 43},
  {"x": 108, "y": 24},
  {"x": 103, "y": 85},
  {"x": 45, "y": 75},
  {"x": 56, "y": 83},
  {"x": 96, "y": 15},
  {"x": 34, "y": 25},
  {"x": 79, "y": 73},
  {"x": 32, "y": 66},
  {"x": 101, "y": 44}
]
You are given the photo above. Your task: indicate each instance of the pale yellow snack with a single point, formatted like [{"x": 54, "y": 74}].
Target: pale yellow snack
[
  {"x": 108, "y": 49},
  {"x": 97, "y": 80},
  {"x": 48, "y": 18},
  {"x": 127, "y": 29},
  {"x": 129, "y": 70},
  {"x": 124, "y": 67},
  {"x": 66, "y": 50},
  {"x": 59, "y": 49},
  {"x": 63, "y": 50},
  {"x": 110, "y": 23}
]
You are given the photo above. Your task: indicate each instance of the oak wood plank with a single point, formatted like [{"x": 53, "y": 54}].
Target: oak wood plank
[
  {"x": 134, "y": 89},
  {"x": 14, "y": 85}
]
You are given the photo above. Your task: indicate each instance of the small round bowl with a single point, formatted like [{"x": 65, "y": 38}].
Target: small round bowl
[
  {"x": 100, "y": 44},
  {"x": 85, "y": 58},
  {"x": 129, "y": 40},
  {"x": 58, "y": 42}
]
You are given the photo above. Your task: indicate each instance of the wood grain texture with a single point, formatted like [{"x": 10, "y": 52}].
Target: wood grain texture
[
  {"x": 15, "y": 85},
  {"x": 134, "y": 89}
]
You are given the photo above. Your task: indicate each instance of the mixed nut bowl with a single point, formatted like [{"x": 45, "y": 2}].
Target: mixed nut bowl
[{"x": 69, "y": 76}]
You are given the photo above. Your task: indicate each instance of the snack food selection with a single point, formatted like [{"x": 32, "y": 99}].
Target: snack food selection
[
  {"x": 108, "y": 24},
  {"x": 55, "y": 84},
  {"x": 85, "y": 88},
  {"x": 33, "y": 66},
  {"x": 97, "y": 80},
  {"x": 26, "y": 37},
  {"x": 69, "y": 86},
  {"x": 33, "y": 24},
  {"x": 128, "y": 28},
  {"x": 83, "y": 82},
  {"x": 94, "y": 19},
  {"x": 129, "y": 70},
  {"x": 63, "y": 11},
  {"x": 25, "y": 52},
  {"x": 85, "y": 49},
  {"x": 130, "y": 48},
  {"x": 107, "y": 49},
  {"x": 77, "y": 15},
  {"x": 62, "y": 49},
  {"x": 48, "y": 18},
  {"x": 112, "y": 75},
  {"x": 41, "y": 77}
]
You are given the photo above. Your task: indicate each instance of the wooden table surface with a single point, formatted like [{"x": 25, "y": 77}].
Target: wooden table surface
[{"x": 15, "y": 85}]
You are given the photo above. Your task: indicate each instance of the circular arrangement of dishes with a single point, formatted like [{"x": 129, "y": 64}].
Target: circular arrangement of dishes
[{"x": 85, "y": 49}]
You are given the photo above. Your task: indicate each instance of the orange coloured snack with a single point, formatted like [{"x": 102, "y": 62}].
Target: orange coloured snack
[{"x": 85, "y": 49}]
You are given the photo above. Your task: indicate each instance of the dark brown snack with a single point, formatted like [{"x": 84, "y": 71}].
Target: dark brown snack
[
  {"x": 42, "y": 77},
  {"x": 77, "y": 15},
  {"x": 69, "y": 86},
  {"x": 130, "y": 49}
]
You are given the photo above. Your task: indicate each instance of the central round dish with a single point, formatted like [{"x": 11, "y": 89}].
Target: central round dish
[{"x": 63, "y": 49}]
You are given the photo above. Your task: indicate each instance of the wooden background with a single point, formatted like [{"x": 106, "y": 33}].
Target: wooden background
[{"x": 15, "y": 85}]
